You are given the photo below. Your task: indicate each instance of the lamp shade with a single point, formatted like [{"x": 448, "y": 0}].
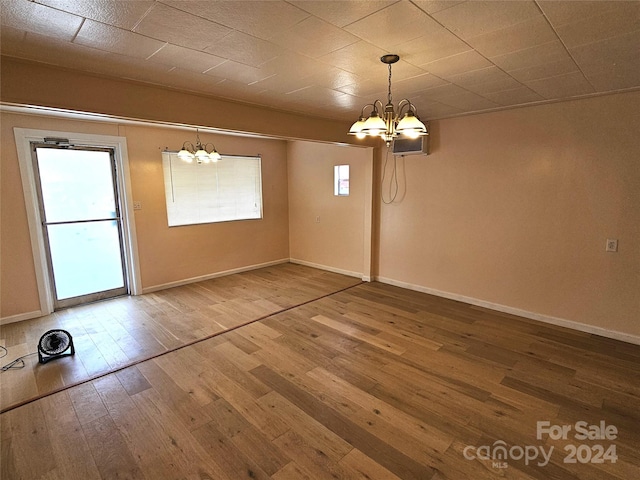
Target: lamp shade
[
  {"x": 185, "y": 155},
  {"x": 356, "y": 128},
  {"x": 202, "y": 155},
  {"x": 374, "y": 125},
  {"x": 411, "y": 126}
]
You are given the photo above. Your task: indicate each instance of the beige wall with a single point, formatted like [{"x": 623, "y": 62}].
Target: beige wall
[
  {"x": 171, "y": 254},
  {"x": 204, "y": 249},
  {"x": 339, "y": 240},
  {"x": 166, "y": 254},
  {"x": 38, "y": 84},
  {"x": 514, "y": 208},
  {"x": 18, "y": 288},
  {"x": 511, "y": 208}
]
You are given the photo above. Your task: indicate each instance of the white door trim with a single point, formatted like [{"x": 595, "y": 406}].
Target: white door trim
[{"x": 24, "y": 137}]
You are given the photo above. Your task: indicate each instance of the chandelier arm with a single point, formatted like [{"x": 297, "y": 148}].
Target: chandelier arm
[
  {"x": 372, "y": 105},
  {"x": 406, "y": 103},
  {"x": 188, "y": 146}
]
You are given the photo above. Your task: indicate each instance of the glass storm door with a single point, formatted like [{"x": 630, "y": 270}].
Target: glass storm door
[{"x": 79, "y": 207}]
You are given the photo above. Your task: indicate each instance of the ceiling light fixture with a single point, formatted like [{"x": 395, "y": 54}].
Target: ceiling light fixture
[
  {"x": 201, "y": 152},
  {"x": 389, "y": 125}
]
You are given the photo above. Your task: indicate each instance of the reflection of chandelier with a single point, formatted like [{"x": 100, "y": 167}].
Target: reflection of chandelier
[
  {"x": 201, "y": 152},
  {"x": 389, "y": 126}
]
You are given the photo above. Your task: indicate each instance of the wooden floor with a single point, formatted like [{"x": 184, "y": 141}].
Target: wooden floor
[
  {"x": 372, "y": 382},
  {"x": 111, "y": 334}
]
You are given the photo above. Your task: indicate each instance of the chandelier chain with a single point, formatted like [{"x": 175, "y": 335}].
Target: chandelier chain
[{"x": 389, "y": 95}]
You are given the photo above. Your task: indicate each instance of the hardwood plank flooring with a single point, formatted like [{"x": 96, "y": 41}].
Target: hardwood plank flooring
[
  {"x": 113, "y": 334},
  {"x": 371, "y": 382}
]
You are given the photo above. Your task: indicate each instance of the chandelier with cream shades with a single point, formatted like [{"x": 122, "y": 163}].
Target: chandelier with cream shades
[
  {"x": 384, "y": 121},
  {"x": 201, "y": 152}
]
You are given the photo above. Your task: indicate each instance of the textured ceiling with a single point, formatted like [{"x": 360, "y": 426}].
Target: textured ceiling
[{"x": 322, "y": 57}]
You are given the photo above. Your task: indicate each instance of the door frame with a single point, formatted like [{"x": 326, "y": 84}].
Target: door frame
[
  {"x": 59, "y": 303},
  {"x": 24, "y": 137}
]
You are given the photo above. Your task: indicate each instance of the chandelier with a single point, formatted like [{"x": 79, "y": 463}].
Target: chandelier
[
  {"x": 203, "y": 153},
  {"x": 389, "y": 125}
]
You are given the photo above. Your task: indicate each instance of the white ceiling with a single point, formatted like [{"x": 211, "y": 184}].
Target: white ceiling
[{"x": 321, "y": 58}]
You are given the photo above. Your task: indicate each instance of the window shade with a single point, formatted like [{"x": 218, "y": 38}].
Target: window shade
[{"x": 230, "y": 189}]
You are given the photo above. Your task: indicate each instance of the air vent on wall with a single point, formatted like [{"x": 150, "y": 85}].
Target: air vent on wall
[
  {"x": 63, "y": 142},
  {"x": 411, "y": 146}
]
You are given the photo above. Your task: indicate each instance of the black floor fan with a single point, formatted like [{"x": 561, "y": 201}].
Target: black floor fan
[{"x": 55, "y": 344}]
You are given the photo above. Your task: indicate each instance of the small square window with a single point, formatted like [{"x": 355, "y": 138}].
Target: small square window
[{"x": 341, "y": 180}]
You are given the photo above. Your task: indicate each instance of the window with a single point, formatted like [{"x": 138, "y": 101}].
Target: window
[
  {"x": 341, "y": 180},
  {"x": 230, "y": 189}
]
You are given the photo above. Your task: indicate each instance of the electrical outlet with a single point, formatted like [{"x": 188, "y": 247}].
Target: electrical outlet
[
  {"x": 612, "y": 245},
  {"x": 137, "y": 205},
  {"x": 318, "y": 219}
]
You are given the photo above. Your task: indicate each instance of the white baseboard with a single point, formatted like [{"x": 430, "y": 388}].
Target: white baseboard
[
  {"x": 560, "y": 322},
  {"x": 154, "y": 288},
  {"x": 186, "y": 281},
  {"x": 330, "y": 269},
  {"x": 20, "y": 317}
]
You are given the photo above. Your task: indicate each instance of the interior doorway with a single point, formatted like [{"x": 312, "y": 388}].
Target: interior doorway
[{"x": 82, "y": 226}]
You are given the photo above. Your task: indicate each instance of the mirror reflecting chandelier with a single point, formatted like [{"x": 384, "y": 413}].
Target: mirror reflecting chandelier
[
  {"x": 384, "y": 121},
  {"x": 202, "y": 153}
]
